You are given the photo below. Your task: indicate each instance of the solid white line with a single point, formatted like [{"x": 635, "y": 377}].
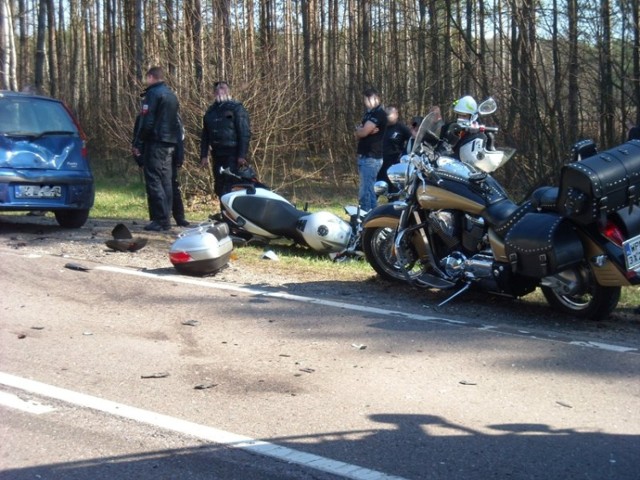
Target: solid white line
[
  {"x": 202, "y": 432},
  {"x": 360, "y": 308},
  {"x": 281, "y": 295},
  {"x": 30, "y": 406}
]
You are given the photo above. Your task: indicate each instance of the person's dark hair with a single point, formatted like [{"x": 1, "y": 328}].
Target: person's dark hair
[
  {"x": 156, "y": 72},
  {"x": 370, "y": 92}
]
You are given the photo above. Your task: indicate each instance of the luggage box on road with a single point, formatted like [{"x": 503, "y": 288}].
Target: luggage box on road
[{"x": 203, "y": 250}]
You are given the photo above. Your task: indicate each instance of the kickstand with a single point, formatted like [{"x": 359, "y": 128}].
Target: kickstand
[{"x": 462, "y": 290}]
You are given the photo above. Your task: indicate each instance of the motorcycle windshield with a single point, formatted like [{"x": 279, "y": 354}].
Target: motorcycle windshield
[{"x": 429, "y": 130}]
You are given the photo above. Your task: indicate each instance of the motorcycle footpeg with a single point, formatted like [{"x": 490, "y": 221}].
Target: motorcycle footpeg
[{"x": 431, "y": 281}]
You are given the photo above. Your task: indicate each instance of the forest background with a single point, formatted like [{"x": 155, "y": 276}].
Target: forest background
[{"x": 560, "y": 70}]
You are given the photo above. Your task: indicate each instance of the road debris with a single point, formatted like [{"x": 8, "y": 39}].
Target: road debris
[
  {"x": 77, "y": 267},
  {"x": 467, "y": 382},
  {"x": 205, "y": 386},
  {"x": 270, "y": 255},
  {"x": 562, "y": 404},
  {"x": 307, "y": 370},
  {"x": 21, "y": 336},
  {"x": 155, "y": 375},
  {"x": 191, "y": 323},
  {"x": 358, "y": 346},
  {"x": 87, "y": 334},
  {"x": 37, "y": 328},
  {"x": 123, "y": 240}
]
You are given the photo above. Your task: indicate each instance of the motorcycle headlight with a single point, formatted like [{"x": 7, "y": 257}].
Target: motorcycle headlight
[{"x": 400, "y": 173}]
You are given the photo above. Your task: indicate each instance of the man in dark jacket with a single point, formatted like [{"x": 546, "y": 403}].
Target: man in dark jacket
[
  {"x": 394, "y": 143},
  {"x": 369, "y": 135},
  {"x": 177, "y": 160},
  {"x": 225, "y": 134},
  {"x": 159, "y": 132}
]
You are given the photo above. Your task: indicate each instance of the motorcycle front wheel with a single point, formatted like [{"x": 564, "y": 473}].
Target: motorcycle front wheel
[
  {"x": 595, "y": 304},
  {"x": 379, "y": 249}
]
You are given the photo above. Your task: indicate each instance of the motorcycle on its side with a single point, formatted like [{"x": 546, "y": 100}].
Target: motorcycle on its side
[
  {"x": 454, "y": 227},
  {"x": 255, "y": 213}
]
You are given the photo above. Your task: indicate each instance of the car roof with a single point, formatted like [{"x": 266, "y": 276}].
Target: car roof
[{"x": 11, "y": 93}]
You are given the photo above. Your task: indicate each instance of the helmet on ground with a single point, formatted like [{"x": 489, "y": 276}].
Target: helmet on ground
[{"x": 465, "y": 105}]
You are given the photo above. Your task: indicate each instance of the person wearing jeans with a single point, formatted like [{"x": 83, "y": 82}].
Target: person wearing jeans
[{"x": 370, "y": 134}]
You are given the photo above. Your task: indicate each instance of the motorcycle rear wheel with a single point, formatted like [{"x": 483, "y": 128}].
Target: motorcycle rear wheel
[
  {"x": 596, "y": 304},
  {"x": 379, "y": 250}
]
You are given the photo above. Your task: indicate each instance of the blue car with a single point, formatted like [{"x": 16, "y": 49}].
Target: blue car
[{"x": 43, "y": 159}]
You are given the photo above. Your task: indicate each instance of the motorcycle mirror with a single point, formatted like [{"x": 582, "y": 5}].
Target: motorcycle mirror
[
  {"x": 487, "y": 107},
  {"x": 380, "y": 188}
]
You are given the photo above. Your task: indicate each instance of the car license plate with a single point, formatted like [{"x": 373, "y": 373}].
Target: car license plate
[
  {"x": 38, "y": 191},
  {"x": 632, "y": 253}
]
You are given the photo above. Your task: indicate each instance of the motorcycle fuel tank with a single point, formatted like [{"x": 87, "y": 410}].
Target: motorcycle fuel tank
[{"x": 458, "y": 190}]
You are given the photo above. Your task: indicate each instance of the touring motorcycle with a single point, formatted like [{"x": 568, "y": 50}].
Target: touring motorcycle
[
  {"x": 454, "y": 227},
  {"x": 255, "y": 213}
]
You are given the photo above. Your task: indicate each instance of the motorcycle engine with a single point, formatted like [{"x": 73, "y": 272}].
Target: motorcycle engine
[{"x": 445, "y": 225}]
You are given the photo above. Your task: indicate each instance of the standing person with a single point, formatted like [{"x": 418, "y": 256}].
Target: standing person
[
  {"x": 394, "y": 142},
  {"x": 225, "y": 134},
  {"x": 177, "y": 160},
  {"x": 370, "y": 134},
  {"x": 156, "y": 140}
]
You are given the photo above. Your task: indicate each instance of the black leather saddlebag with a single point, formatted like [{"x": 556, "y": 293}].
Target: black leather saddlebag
[
  {"x": 601, "y": 184},
  {"x": 542, "y": 244}
]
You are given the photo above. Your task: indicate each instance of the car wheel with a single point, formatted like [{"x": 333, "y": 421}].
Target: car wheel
[{"x": 71, "y": 218}]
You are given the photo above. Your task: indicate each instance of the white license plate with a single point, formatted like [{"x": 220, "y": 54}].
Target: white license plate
[
  {"x": 632, "y": 253},
  {"x": 38, "y": 191}
]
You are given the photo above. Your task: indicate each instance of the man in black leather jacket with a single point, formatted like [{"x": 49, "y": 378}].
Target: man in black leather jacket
[
  {"x": 159, "y": 132},
  {"x": 225, "y": 134}
]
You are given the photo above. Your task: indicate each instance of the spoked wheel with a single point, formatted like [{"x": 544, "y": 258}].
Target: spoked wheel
[
  {"x": 592, "y": 301},
  {"x": 379, "y": 249}
]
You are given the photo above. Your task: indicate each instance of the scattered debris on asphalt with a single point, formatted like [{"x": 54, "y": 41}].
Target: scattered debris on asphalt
[
  {"x": 307, "y": 370},
  {"x": 37, "y": 328},
  {"x": 87, "y": 334},
  {"x": 21, "y": 336},
  {"x": 77, "y": 267},
  {"x": 467, "y": 382},
  {"x": 155, "y": 375},
  {"x": 358, "y": 346},
  {"x": 191, "y": 323},
  {"x": 562, "y": 404},
  {"x": 123, "y": 240},
  {"x": 205, "y": 386}
]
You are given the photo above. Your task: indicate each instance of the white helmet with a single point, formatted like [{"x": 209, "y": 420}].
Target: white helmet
[
  {"x": 466, "y": 105},
  {"x": 325, "y": 232}
]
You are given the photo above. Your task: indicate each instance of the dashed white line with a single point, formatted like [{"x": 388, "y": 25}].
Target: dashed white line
[{"x": 202, "y": 432}]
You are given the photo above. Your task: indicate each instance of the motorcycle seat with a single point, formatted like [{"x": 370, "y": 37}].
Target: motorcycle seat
[
  {"x": 504, "y": 214},
  {"x": 545, "y": 199},
  {"x": 275, "y": 216}
]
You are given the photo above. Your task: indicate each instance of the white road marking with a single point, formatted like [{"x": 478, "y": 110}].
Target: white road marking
[
  {"x": 541, "y": 336},
  {"x": 605, "y": 346},
  {"x": 30, "y": 406},
  {"x": 202, "y": 432}
]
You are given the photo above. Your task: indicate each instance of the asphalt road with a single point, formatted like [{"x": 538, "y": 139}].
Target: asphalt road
[{"x": 345, "y": 389}]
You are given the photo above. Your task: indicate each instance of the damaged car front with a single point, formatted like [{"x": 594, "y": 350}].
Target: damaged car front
[{"x": 43, "y": 159}]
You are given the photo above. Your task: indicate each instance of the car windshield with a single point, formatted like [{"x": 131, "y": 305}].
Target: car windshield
[{"x": 34, "y": 117}]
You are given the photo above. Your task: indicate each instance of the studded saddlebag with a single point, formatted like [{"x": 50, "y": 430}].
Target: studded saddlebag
[
  {"x": 601, "y": 184},
  {"x": 542, "y": 244}
]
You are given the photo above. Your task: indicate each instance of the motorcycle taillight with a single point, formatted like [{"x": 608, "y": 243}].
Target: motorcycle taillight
[{"x": 613, "y": 233}]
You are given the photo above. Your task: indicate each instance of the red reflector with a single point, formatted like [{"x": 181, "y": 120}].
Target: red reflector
[
  {"x": 613, "y": 233},
  {"x": 179, "y": 257}
]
